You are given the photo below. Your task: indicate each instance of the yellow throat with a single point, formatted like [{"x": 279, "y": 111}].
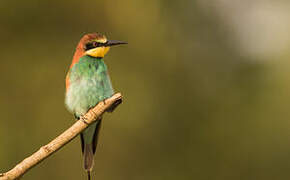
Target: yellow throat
[{"x": 98, "y": 52}]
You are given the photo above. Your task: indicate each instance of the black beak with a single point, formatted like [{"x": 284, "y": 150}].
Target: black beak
[{"x": 114, "y": 42}]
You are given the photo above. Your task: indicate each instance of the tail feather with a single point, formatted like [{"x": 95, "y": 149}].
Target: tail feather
[
  {"x": 89, "y": 149},
  {"x": 89, "y": 175},
  {"x": 82, "y": 142},
  {"x": 96, "y": 135},
  {"x": 88, "y": 157}
]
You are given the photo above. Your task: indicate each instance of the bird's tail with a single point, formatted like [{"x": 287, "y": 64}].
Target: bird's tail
[
  {"x": 89, "y": 175},
  {"x": 89, "y": 148},
  {"x": 88, "y": 157}
]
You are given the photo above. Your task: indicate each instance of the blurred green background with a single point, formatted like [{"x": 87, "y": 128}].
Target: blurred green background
[{"x": 205, "y": 84}]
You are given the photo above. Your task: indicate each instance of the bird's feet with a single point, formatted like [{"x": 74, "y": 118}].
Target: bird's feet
[{"x": 84, "y": 120}]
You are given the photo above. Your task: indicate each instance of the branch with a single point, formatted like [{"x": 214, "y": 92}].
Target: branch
[{"x": 45, "y": 151}]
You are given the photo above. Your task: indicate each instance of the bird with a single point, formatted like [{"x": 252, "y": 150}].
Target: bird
[{"x": 87, "y": 84}]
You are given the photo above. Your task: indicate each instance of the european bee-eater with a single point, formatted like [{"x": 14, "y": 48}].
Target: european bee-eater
[{"x": 88, "y": 83}]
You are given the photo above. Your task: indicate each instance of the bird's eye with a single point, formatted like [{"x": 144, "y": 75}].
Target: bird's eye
[
  {"x": 92, "y": 45},
  {"x": 95, "y": 44}
]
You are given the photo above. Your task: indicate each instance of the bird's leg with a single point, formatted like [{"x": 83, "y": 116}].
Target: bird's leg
[
  {"x": 104, "y": 101},
  {"x": 83, "y": 119},
  {"x": 76, "y": 117},
  {"x": 114, "y": 106}
]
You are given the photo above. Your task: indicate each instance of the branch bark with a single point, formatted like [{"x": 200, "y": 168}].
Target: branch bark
[{"x": 45, "y": 151}]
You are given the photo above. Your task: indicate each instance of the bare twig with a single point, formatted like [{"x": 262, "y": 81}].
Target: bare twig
[{"x": 61, "y": 140}]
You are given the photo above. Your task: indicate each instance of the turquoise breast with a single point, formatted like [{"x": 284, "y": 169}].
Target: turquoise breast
[{"x": 89, "y": 83}]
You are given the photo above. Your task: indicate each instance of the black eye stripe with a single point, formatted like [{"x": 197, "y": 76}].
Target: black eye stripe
[{"x": 92, "y": 45}]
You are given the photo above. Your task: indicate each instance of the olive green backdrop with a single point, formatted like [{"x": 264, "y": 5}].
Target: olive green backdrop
[{"x": 202, "y": 100}]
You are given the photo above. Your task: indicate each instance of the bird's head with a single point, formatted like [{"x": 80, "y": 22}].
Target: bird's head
[{"x": 97, "y": 45}]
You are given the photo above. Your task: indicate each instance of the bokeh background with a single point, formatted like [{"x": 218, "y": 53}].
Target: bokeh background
[{"x": 205, "y": 84}]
